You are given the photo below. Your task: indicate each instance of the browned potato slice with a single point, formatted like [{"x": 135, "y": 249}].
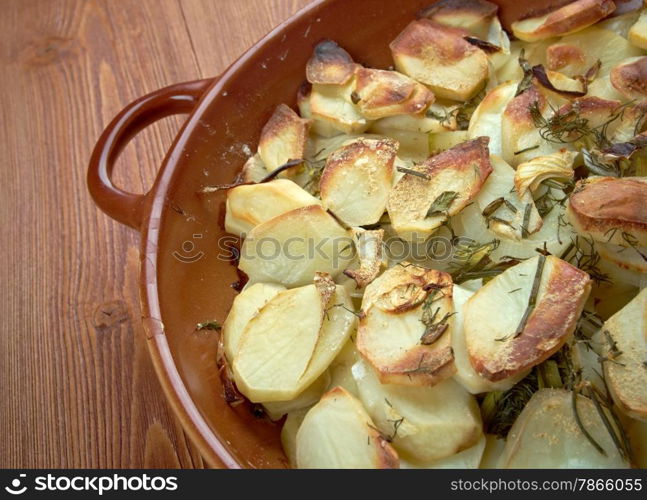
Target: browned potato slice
[
  {"x": 439, "y": 57},
  {"x": 283, "y": 138},
  {"x": 611, "y": 210},
  {"x": 337, "y": 433},
  {"x": 563, "y": 21},
  {"x": 625, "y": 345},
  {"x": 357, "y": 179},
  {"x": 330, "y": 64},
  {"x": 369, "y": 251},
  {"x": 405, "y": 326},
  {"x": 457, "y": 173},
  {"x": 630, "y": 78},
  {"x": 472, "y": 15},
  {"x": 425, "y": 424},
  {"x": 250, "y": 205},
  {"x": 382, "y": 93},
  {"x": 500, "y": 345},
  {"x": 546, "y": 435},
  {"x": 291, "y": 247},
  {"x": 638, "y": 32},
  {"x": 561, "y": 56},
  {"x": 333, "y": 106}
]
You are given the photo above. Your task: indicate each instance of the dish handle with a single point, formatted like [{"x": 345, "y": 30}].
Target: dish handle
[{"x": 123, "y": 206}]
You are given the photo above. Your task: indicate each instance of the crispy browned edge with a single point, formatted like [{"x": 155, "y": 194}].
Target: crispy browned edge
[
  {"x": 282, "y": 118},
  {"x": 550, "y": 323},
  {"x": 600, "y": 205},
  {"x": 573, "y": 15},
  {"x": 630, "y": 79},
  {"x": 329, "y": 64}
]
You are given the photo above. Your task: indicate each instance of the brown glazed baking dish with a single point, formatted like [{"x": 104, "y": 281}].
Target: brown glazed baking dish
[{"x": 184, "y": 278}]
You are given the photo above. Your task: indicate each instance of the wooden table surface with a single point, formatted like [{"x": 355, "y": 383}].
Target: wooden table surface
[{"x": 77, "y": 388}]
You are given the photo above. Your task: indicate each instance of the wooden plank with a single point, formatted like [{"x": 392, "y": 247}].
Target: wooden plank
[{"x": 76, "y": 384}]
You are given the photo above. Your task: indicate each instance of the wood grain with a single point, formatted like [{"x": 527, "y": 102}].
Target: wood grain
[{"x": 76, "y": 385}]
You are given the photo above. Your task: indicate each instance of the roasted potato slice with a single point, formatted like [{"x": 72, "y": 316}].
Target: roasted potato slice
[
  {"x": 473, "y": 15},
  {"x": 369, "y": 251},
  {"x": 487, "y": 117},
  {"x": 341, "y": 369},
  {"x": 291, "y": 247},
  {"x": 333, "y": 106},
  {"x": 568, "y": 19},
  {"x": 443, "y": 141},
  {"x": 638, "y": 32},
  {"x": 289, "y": 434},
  {"x": 446, "y": 183},
  {"x": 291, "y": 341},
  {"x": 357, "y": 179},
  {"x": 320, "y": 127},
  {"x": 546, "y": 435},
  {"x": 330, "y": 64},
  {"x": 283, "y": 138},
  {"x": 246, "y": 305},
  {"x": 405, "y": 326},
  {"x": 465, "y": 373},
  {"x": 250, "y": 205},
  {"x": 337, "y": 433},
  {"x": 253, "y": 170},
  {"x": 611, "y": 210},
  {"x": 424, "y": 424},
  {"x": 439, "y": 57},
  {"x": 625, "y": 346},
  {"x": 381, "y": 93},
  {"x": 543, "y": 298},
  {"x": 469, "y": 458},
  {"x": 630, "y": 78},
  {"x": 633, "y": 259}
]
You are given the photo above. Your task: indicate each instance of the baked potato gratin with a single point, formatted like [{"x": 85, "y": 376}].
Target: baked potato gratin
[{"x": 447, "y": 259}]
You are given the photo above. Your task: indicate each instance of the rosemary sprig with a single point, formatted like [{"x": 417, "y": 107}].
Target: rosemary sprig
[
  {"x": 532, "y": 300},
  {"x": 526, "y": 81},
  {"x": 441, "y": 204},
  {"x": 580, "y": 424},
  {"x": 208, "y": 325},
  {"x": 526, "y": 221},
  {"x": 413, "y": 172}
]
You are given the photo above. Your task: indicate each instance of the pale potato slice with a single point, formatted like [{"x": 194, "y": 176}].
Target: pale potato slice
[
  {"x": 466, "y": 459},
  {"x": 250, "y": 205},
  {"x": 465, "y": 373},
  {"x": 473, "y": 15},
  {"x": 245, "y": 306},
  {"x": 330, "y": 64},
  {"x": 492, "y": 453},
  {"x": 424, "y": 424},
  {"x": 620, "y": 23},
  {"x": 632, "y": 259},
  {"x": 630, "y": 78},
  {"x": 275, "y": 410},
  {"x": 487, "y": 117},
  {"x": 320, "y": 127},
  {"x": 369, "y": 251},
  {"x": 357, "y": 180},
  {"x": 280, "y": 354},
  {"x": 333, "y": 105},
  {"x": 438, "y": 118},
  {"x": 337, "y": 433},
  {"x": 441, "y": 141},
  {"x": 289, "y": 434},
  {"x": 610, "y": 210},
  {"x": 529, "y": 175},
  {"x": 568, "y": 19},
  {"x": 546, "y": 436},
  {"x": 253, "y": 170},
  {"x": 291, "y": 247},
  {"x": 341, "y": 369},
  {"x": 283, "y": 138},
  {"x": 561, "y": 56},
  {"x": 625, "y": 335},
  {"x": 405, "y": 326},
  {"x": 381, "y": 93},
  {"x": 416, "y": 205},
  {"x": 439, "y": 57},
  {"x": 277, "y": 344},
  {"x": 414, "y": 146},
  {"x": 637, "y": 432},
  {"x": 610, "y": 49},
  {"x": 638, "y": 32},
  {"x": 500, "y": 346}
]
